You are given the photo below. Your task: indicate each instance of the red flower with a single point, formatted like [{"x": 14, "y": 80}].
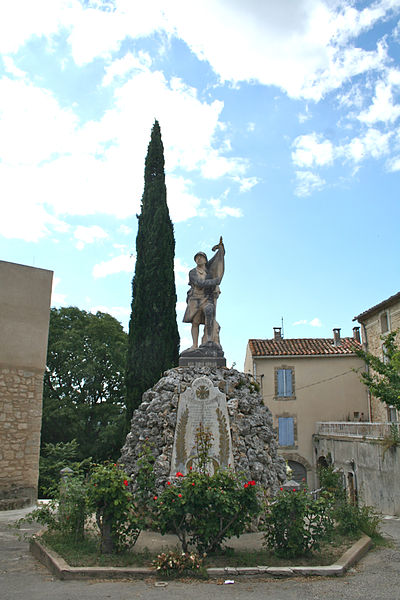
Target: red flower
[
  {"x": 168, "y": 483},
  {"x": 179, "y": 495},
  {"x": 126, "y": 483},
  {"x": 246, "y": 485},
  {"x": 281, "y": 489},
  {"x": 294, "y": 489},
  {"x": 190, "y": 468},
  {"x": 155, "y": 497},
  {"x": 192, "y": 483},
  {"x": 179, "y": 474},
  {"x": 253, "y": 482}
]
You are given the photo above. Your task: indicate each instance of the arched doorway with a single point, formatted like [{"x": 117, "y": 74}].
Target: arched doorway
[{"x": 299, "y": 472}]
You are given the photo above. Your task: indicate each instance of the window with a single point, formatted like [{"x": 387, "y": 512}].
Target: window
[
  {"x": 286, "y": 431},
  {"x": 284, "y": 383},
  {"x": 384, "y": 322},
  {"x": 392, "y": 414}
]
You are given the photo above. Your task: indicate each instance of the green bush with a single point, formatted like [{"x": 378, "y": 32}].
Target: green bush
[
  {"x": 354, "y": 519},
  {"x": 65, "y": 514},
  {"x": 295, "y": 523},
  {"x": 112, "y": 502},
  {"x": 206, "y": 509}
]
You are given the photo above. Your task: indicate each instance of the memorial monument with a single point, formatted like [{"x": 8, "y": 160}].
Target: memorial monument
[
  {"x": 201, "y": 300},
  {"x": 203, "y": 394}
]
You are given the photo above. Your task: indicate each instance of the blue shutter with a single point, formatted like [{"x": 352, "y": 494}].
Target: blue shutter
[
  {"x": 286, "y": 431},
  {"x": 281, "y": 382},
  {"x": 288, "y": 382}
]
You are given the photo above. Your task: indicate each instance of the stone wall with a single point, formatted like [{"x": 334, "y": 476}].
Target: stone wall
[
  {"x": 20, "y": 423},
  {"x": 24, "y": 322},
  {"x": 366, "y": 466},
  {"x": 254, "y": 444}
]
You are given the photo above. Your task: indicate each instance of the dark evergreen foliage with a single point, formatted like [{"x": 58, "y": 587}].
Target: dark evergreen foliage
[{"x": 153, "y": 345}]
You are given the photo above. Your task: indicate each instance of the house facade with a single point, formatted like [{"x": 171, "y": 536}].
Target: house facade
[
  {"x": 376, "y": 323},
  {"x": 303, "y": 382}
]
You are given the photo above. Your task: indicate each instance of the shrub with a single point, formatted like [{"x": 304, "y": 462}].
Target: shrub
[
  {"x": 65, "y": 514},
  {"x": 112, "y": 502},
  {"x": 295, "y": 523},
  {"x": 354, "y": 519},
  {"x": 206, "y": 509}
]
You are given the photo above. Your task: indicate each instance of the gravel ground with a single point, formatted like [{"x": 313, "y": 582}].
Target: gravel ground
[{"x": 22, "y": 578}]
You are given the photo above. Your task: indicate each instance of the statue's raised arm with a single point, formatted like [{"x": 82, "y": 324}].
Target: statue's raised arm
[{"x": 202, "y": 297}]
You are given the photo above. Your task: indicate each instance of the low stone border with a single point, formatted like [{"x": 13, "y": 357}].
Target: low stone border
[{"x": 62, "y": 570}]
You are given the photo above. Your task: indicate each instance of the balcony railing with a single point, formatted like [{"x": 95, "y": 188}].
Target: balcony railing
[{"x": 372, "y": 431}]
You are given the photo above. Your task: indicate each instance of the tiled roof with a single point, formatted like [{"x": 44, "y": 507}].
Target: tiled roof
[
  {"x": 303, "y": 347},
  {"x": 384, "y": 304}
]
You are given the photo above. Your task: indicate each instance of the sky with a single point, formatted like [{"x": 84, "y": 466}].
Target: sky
[{"x": 281, "y": 129}]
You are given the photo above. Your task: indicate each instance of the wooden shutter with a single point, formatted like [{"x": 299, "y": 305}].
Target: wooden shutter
[
  {"x": 286, "y": 431},
  {"x": 284, "y": 378}
]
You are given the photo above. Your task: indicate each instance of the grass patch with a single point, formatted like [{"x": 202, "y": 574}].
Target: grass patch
[
  {"x": 329, "y": 552},
  {"x": 87, "y": 553}
]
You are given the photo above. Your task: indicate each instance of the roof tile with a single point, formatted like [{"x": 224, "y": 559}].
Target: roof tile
[{"x": 303, "y": 347}]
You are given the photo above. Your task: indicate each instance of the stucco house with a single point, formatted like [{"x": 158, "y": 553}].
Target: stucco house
[
  {"x": 376, "y": 322},
  {"x": 305, "y": 381}
]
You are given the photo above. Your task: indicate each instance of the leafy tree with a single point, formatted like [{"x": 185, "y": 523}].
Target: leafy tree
[
  {"x": 153, "y": 333},
  {"x": 83, "y": 393},
  {"x": 383, "y": 378}
]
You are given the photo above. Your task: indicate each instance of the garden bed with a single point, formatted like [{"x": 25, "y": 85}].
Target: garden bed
[{"x": 77, "y": 561}]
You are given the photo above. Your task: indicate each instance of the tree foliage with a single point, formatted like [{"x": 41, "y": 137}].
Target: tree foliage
[
  {"x": 83, "y": 393},
  {"x": 383, "y": 376},
  {"x": 153, "y": 333}
]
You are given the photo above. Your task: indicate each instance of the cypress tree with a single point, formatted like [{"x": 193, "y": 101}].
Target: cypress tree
[{"x": 153, "y": 344}]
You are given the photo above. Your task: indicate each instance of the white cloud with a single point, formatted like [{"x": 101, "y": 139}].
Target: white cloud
[
  {"x": 33, "y": 127},
  {"x": 121, "y": 313},
  {"x": 11, "y": 67},
  {"x": 246, "y": 183},
  {"x": 224, "y": 211},
  {"x": 181, "y": 307},
  {"x": 57, "y": 299},
  {"x": 373, "y": 144},
  {"x": 122, "y": 67},
  {"x": 182, "y": 204},
  {"x": 393, "y": 164},
  {"x": 382, "y": 107},
  {"x": 316, "y": 322},
  {"x": 307, "y": 183},
  {"x": 125, "y": 230},
  {"x": 88, "y": 235},
  {"x": 311, "y": 150},
  {"x": 181, "y": 272},
  {"x": 118, "y": 264}
]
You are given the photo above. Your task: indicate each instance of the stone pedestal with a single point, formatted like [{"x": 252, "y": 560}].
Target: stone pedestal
[{"x": 207, "y": 355}]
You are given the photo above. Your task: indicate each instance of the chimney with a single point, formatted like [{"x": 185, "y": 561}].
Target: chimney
[
  {"x": 356, "y": 334},
  {"x": 277, "y": 333},
  {"x": 336, "y": 336}
]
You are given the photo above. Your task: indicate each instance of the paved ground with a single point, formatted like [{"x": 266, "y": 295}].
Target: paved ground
[{"x": 377, "y": 576}]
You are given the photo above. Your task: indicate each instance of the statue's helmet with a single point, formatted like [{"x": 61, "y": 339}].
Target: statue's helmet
[{"x": 200, "y": 254}]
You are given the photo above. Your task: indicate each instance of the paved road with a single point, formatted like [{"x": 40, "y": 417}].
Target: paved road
[{"x": 377, "y": 576}]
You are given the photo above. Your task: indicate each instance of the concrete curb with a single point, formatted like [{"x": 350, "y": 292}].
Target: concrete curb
[{"x": 58, "y": 567}]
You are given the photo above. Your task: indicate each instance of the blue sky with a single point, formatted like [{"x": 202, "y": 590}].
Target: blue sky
[{"x": 281, "y": 128}]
